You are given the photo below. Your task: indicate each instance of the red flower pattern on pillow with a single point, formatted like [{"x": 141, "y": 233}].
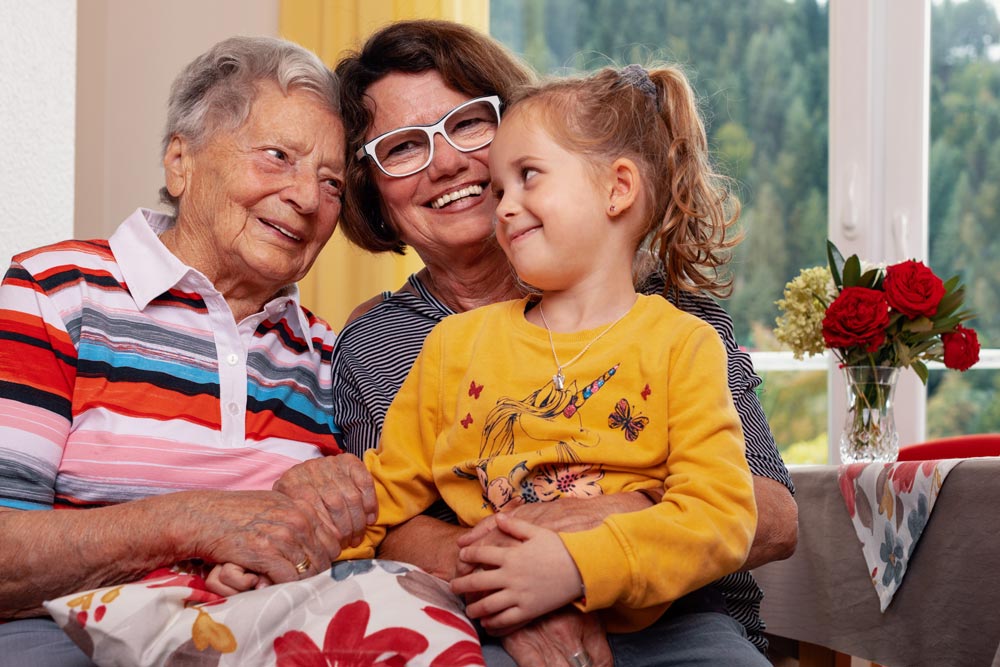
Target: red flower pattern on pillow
[{"x": 346, "y": 645}]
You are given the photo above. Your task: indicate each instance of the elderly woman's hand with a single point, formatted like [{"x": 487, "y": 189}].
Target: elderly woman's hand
[
  {"x": 340, "y": 491},
  {"x": 565, "y": 515},
  {"x": 553, "y": 638},
  {"x": 264, "y": 532}
]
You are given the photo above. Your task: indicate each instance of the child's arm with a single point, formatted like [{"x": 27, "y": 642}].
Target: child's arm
[
  {"x": 521, "y": 582},
  {"x": 703, "y": 527},
  {"x": 402, "y": 465}
]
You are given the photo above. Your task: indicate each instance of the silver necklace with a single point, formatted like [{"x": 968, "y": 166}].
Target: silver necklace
[{"x": 559, "y": 380}]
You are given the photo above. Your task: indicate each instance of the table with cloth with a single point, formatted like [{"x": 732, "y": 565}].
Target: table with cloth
[{"x": 896, "y": 563}]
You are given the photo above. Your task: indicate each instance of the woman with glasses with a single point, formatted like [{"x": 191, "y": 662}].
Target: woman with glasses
[{"x": 421, "y": 102}]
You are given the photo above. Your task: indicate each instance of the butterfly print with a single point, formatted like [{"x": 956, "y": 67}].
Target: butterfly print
[
  {"x": 475, "y": 389},
  {"x": 467, "y": 421},
  {"x": 646, "y": 392},
  {"x": 622, "y": 418}
]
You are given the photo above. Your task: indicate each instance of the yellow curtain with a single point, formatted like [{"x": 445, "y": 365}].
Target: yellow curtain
[{"x": 343, "y": 275}]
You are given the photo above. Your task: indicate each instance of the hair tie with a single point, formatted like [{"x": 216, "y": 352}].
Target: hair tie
[{"x": 638, "y": 77}]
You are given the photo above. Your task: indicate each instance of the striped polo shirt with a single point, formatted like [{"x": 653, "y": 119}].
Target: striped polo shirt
[{"x": 123, "y": 374}]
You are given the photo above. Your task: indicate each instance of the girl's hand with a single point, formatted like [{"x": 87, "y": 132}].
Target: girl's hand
[
  {"x": 229, "y": 579},
  {"x": 520, "y": 582}
]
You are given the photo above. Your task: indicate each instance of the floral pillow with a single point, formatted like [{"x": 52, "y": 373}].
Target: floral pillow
[{"x": 359, "y": 613}]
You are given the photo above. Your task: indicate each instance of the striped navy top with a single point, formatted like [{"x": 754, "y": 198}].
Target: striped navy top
[{"x": 374, "y": 353}]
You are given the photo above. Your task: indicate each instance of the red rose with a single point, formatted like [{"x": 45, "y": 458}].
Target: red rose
[
  {"x": 961, "y": 348},
  {"x": 856, "y": 318},
  {"x": 913, "y": 289}
]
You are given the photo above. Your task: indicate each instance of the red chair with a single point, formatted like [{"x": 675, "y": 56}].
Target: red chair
[{"x": 956, "y": 447}]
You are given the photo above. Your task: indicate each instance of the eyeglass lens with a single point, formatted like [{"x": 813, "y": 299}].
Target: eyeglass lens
[{"x": 467, "y": 128}]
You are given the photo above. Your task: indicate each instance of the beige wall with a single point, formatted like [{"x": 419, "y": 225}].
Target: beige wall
[{"x": 128, "y": 52}]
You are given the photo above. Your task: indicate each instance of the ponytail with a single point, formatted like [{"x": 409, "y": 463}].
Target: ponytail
[{"x": 696, "y": 210}]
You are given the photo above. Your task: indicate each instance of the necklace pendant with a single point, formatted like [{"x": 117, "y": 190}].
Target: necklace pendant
[{"x": 559, "y": 380}]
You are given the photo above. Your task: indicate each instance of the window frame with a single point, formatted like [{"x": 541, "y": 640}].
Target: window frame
[
  {"x": 879, "y": 138},
  {"x": 878, "y": 159}
]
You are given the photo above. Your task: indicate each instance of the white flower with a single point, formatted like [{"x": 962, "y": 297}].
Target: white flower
[{"x": 800, "y": 325}]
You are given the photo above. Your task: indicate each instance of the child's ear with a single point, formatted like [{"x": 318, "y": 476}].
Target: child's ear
[
  {"x": 624, "y": 189},
  {"x": 175, "y": 165}
]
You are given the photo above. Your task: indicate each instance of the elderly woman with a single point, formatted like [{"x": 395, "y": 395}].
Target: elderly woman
[
  {"x": 162, "y": 380},
  {"x": 416, "y": 177}
]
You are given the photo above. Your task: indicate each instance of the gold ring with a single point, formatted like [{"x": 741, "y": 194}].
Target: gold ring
[{"x": 303, "y": 565}]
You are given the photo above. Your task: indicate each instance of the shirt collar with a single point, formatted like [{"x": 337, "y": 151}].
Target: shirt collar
[{"x": 149, "y": 269}]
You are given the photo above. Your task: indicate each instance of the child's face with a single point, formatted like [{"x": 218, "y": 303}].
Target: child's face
[{"x": 551, "y": 218}]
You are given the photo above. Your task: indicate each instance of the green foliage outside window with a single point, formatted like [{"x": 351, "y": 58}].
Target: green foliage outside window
[{"x": 760, "y": 68}]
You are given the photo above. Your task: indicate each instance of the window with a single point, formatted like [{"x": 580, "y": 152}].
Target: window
[
  {"x": 760, "y": 70},
  {"x": 964, "y": 199},
  {"x": 901, "y": 158}
]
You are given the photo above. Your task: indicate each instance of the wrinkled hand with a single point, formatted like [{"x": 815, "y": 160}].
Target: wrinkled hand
[
  {"x": 570, "y": 515},
  {"x": 551, "y": 639},
  {"x": 340, "y": 491},
  {"x": 566, "y": 515},
  {"x": 265, "y": 532}
]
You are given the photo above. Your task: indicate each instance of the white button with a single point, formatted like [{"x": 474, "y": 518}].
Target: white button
[
  {"x": 233, "y": 408},
  {"x": 232, "y": 359}
]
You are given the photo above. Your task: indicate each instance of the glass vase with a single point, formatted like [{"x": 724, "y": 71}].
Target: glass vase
[{"x": 870, "y": 428}]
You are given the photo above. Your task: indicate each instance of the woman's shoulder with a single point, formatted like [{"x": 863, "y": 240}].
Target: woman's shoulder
[
  {"x": 385, "y": 325},
  {"x": 366, "y": 306},
  {"x": 70, "y": 254}
]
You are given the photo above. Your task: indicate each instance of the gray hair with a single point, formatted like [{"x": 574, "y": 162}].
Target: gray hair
[{"x": 217, "y": 89}]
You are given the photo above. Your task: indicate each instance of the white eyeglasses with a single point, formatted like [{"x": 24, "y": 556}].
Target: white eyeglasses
[{"x": 407, "y": 150}]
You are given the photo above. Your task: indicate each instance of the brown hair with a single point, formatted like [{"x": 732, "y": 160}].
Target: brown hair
[
  {"x": 689, "y": 208},
  {"x": 469, "y": 61}
]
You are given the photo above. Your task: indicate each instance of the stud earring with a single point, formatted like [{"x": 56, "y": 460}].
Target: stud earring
[{"x": 611, "y": 209}]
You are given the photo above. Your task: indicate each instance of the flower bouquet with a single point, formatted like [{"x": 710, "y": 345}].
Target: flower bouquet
[{"x": 877, "y": 320}]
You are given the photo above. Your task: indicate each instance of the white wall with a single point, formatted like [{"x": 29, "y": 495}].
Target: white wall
[
  {"x": 129, "y": 52},
  {"x": 37, "y": 115},
  {"x": 83, "y": 104}
]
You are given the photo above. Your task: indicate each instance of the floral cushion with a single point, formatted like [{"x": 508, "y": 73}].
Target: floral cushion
[{"x": 359, "y": 613}]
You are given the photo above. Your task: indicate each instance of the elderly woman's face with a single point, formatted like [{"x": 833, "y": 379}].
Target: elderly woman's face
[
  {"x": 262, "y": 200},
  {"x": 428, "y": 208}
]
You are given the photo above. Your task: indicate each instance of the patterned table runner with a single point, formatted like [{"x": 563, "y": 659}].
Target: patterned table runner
[{"x": 890, "y": 504}]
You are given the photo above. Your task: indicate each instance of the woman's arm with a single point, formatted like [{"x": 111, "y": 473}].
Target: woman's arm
[
  {"x": 432, "y": 544},
  {"x": 777, "y": 523},
  {"x": 49, "y": 553}
]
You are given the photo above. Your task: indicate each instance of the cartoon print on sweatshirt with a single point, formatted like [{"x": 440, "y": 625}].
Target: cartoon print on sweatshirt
[{"x": 509, "y": 428}]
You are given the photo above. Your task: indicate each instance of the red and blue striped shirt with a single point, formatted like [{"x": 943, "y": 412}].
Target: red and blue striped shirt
[{"x": 123, "y": 374}]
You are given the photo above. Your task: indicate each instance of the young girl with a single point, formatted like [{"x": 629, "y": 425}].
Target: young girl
[{"x": 560, "y": 393}]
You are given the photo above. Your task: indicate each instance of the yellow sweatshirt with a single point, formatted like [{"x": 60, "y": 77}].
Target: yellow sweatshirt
[{"x": 480, "y": 423}]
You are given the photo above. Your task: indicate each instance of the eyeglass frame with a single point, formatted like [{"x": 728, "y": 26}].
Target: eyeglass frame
[{"x": 368, "y": 150}]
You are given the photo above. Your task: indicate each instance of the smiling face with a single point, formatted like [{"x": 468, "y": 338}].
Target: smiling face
[
  {"x": 445, "y": 208},
  {"x": 551, "y": 211},
  {"x": 257, "y": 204}
]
